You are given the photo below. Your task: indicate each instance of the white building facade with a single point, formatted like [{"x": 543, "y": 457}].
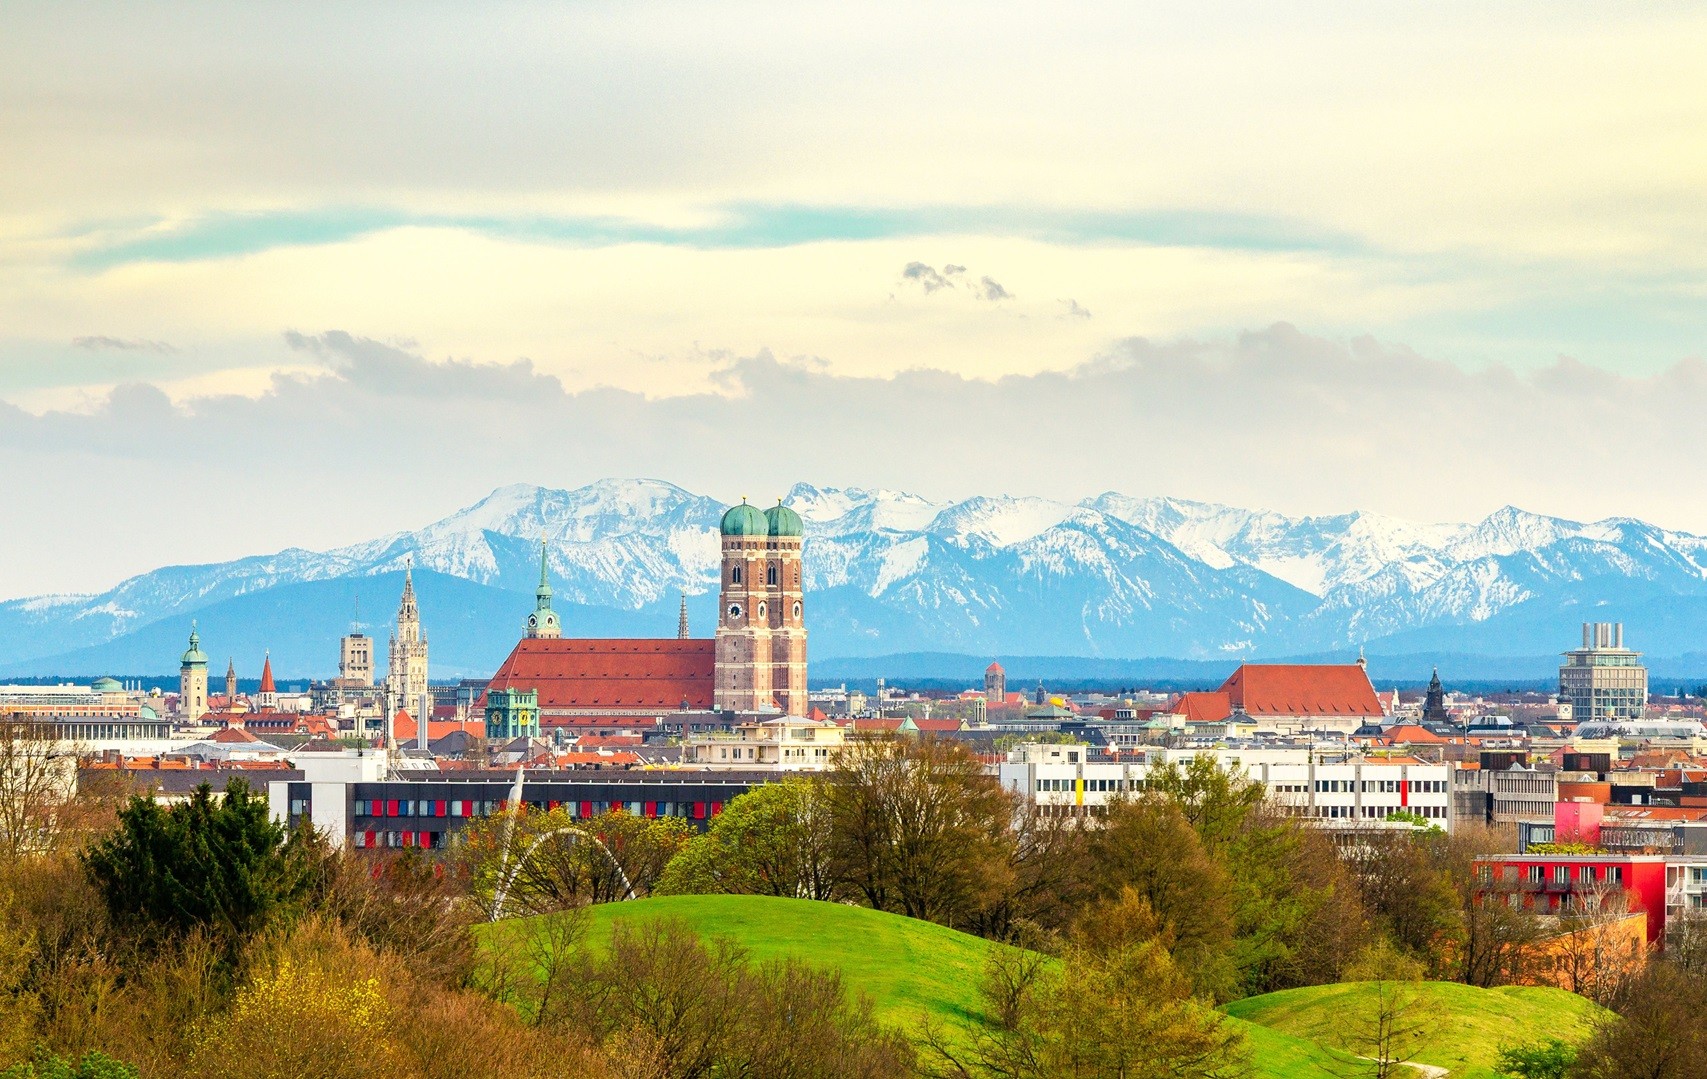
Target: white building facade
[{"x": 1342, "y": 793}]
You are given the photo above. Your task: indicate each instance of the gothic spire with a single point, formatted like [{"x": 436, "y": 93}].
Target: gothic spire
[
  {"x": 682, "y": 620},
  {"x": 543, "y": 592}
]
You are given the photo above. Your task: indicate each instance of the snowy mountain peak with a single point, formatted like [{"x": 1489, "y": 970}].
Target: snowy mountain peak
[{"x": 891, "y": 571}]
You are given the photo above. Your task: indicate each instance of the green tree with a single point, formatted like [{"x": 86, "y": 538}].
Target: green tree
[
  {"x": 1147, "y": 846},
  {"x": 773, "y": 840},
  {"x": 1547, "y": 1059},
  {"x": 216, "y": 863},
  {"x": 548, "y": 861},
  {"x": 919, "y": 828},
  {"x": 1217, "y": 802},
  {"x": 1125, "y": 1011}
]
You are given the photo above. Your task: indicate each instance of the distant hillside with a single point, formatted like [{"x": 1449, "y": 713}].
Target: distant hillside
[{"x": 889, "y": 573}]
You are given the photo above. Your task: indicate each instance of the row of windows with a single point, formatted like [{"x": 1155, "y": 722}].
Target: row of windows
[
  {"x": 1561, "y": 874},
  {"x": 1378, "y": 812},
  {"x": 377, "y": 840},
  {"x": 770, "y": 575},
  {"x": 1106, "y": 786},
  {"x": 1381, "y": 786},
  {"x": 450, "y": 808}
]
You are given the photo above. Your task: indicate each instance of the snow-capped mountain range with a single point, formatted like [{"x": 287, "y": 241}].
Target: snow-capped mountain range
[{"x": 890, "y": 572}]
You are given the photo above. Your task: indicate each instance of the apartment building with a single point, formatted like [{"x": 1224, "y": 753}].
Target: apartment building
[{"x": 1335, "y": 793}]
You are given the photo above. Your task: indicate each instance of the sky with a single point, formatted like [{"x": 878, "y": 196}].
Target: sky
[{"x": 302, "y": 274}]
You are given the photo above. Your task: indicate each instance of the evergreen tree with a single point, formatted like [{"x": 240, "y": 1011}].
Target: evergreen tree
[{"x": 222, "y": 865}]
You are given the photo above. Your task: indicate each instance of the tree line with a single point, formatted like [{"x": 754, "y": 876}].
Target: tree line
[{"x": 203, "y": 939}]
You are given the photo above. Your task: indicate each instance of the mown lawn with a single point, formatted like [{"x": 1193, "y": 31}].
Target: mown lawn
[
  {"x": 1466, "y": 1026},
  {"x": 912, "y": 969}
]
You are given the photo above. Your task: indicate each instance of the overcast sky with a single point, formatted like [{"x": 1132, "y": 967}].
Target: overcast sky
[{"x": 301, "y": 274}]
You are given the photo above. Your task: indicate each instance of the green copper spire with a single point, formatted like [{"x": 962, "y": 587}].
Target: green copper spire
[
  {"x": 194, "y": 656},
  {"x": 543, "y": 621},
  {"x": 543, "y": 592}
]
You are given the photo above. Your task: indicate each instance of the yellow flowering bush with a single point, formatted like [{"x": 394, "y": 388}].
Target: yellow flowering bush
[{"x": 317, "y": 1011}]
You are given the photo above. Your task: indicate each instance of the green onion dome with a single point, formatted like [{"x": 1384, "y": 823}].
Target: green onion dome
[
  {"x": 745, "y": 520},
  {"x": 783, "y": 521}
]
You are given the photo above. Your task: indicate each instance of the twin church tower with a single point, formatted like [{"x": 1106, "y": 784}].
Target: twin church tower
[{"x": 759, "y": 653}]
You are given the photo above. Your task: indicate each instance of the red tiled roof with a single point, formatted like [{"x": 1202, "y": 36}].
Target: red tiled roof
[
  {"x": 267, "y": 676},
  {"x": 232, "y": 736},
  {"x": 994, "y": 668},
  {"x": 1203, "y": 707},
  {"x": 1410, "y": 733},
  {"x": 405, "y": 729},
  {"x": 579, "y": 673},
  {"x": 940, "y": 726},
  {"x": 874, "y": 724},
  {"x": 1302, "y": 689}
]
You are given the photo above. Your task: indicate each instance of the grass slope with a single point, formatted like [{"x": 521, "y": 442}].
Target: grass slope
[
  {"x": 1468, "y": 1026},
  {"x": 905, "y": 966},
  {"x": 908, "y": 968}
]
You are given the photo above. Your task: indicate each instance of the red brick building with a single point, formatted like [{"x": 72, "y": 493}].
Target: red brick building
[{"x": 1289, "y": 697}]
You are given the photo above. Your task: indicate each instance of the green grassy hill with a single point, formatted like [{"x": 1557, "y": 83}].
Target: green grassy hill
[
  {"x": 1466, "y": 1026},
  {"x": 908, "y": 968}
]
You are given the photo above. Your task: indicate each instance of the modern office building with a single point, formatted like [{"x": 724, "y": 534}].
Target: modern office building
[
  {"x": 1603, "y": 681},
  {"x": 1357, "y": 791},
  {"x": 348, "y": 799}
]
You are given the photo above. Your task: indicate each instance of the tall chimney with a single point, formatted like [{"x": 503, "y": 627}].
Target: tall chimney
[
  {"x": 1618, "y": 634},
  {"x": 1586, "y": 636}
]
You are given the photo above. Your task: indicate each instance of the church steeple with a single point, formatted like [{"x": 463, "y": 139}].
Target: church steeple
[
  {"x": 1434, "y": 704},
  {"x": 682, "y": 620},
  {"x": 267, "y": 698},
  {"x": 543, "y": 622}
]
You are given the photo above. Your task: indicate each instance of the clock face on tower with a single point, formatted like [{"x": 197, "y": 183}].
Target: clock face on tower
[{"x": 734, "y": 610}]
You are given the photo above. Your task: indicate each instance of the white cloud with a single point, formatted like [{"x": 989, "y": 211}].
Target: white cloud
[{"x": 1274, "y": 418}]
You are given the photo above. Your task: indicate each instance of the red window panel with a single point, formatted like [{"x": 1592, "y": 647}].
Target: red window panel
[
  {"x": 586, "y": 809},
  {"x": 408, "y": 839},
  {"x": 699, "y": 811},
  {"x": 391, "y": 808},
  {"x": 716, "y": 808},
  {"x": 552, "y": 805},
  {"x": 440, "y": 809},
  {"x": 651, "y": 809}
]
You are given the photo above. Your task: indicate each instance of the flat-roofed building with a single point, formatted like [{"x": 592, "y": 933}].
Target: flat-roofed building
[{"x": 1603, "y": 681}]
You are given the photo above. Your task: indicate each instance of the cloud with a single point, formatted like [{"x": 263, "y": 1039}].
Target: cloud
[
  {"x": 927, "y": 277},
  {"x": 385, "y": 438},
  {"x": 931, "y": 280},
  {"x": 98, "y": 344},
  {"x": 1073, "y": 309}
]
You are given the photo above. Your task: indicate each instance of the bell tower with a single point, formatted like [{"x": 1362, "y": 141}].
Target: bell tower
[
  {"x": 761, "y": 628},
  {"x": 543, "y": 622},
  {"x": 192, "y": 679}
]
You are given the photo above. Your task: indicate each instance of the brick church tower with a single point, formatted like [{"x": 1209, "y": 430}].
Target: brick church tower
[{"x": 761, "y": 626}]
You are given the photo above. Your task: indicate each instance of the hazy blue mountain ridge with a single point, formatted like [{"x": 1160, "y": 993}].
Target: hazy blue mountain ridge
[{"x": 888, "y": 572}]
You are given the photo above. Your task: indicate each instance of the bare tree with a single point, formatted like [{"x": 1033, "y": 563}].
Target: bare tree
[
  {"x": 1388, "y": 1020},
  {"x": 1586, "y": 957},
  {"x": 38, "y": 780}
]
